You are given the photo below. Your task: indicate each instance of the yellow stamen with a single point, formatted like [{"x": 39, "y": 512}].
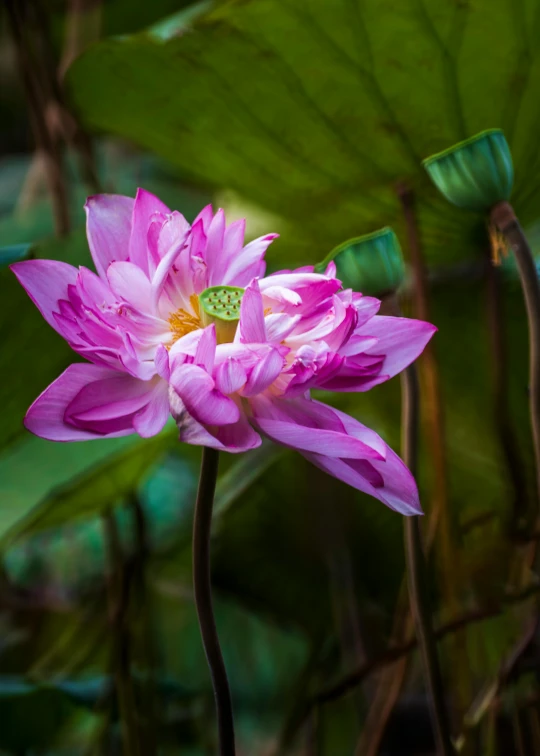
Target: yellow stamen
[{"x": 182, "y": 322}]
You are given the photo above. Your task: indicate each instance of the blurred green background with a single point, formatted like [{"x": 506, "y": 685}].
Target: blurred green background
[{"x": 310, "y": 118}]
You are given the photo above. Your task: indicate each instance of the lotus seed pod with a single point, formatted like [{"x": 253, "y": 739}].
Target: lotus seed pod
[
  {"x": 372, "y": 264},
  {"x": 221, "y": 305},
  {"x": 475, "y": 174}
]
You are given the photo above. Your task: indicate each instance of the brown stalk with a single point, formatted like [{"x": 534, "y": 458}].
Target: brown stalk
[
  {"x": 393, "y": 678},
  {"x": 501, "y": 410},
  {"x": 432, "y": 408},
  {"x": 417, "y": 573},
  {"x": 52, "y": 123},
  {"x": 518, "y": 733},
  {"x": 393, "y": 653},
  {"x": 504, "y": 218},
  {"x": 118, "y": 588},
  {"x": 488, "y": 696},
  {"x": 20, "y": 20},
  {"x": 83, "y": 24},
  {"x": 431, "y": 397},
  {"x": 143, "y": 600},
  {"x": 389, "y": 686}
]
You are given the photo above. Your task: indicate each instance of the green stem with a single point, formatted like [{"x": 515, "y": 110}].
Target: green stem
[
  {"x": 416, "y": 573},
  {"x": 504, "y": 217},
  {"x": 202, "y": 524}
]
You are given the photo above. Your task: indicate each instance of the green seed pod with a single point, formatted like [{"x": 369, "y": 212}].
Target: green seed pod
[
  {"x": 475, "y": 174},
  {"x": 372, "y": 264},
  {"x": 221, "y": 305}
]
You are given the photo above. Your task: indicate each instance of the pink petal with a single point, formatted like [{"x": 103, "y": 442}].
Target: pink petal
[
  {"x": 313, "y": 427},
  {"x": 398, "y": 490},
  {"x": 108, "y": 228},
  {"x": 131, "y": 285},
  {"x": 202, "y": 400},
  {"x": 300, "y": 279},
  {"x": 354, "y": 428},
  {"x": 358, "y": 344},
  {"x": 205, "y": 217},
  {"x": 312, "y": 374},
  {"x": 400, "y": 340},
  {"x": 235, "y": 438},
  {"x": 151, "y": 420},
  {"x": 165, "y": 231},
  {"x": 249, "y": 262},
  {"x": 279, "y": 325},
  {"x": 252, "y": 327},
  {"x": 146, "y": 204},
  {"x": 283, "y": 295},
  {"x": 46, "y": 416},
  {"x": 331, "y": 269},
  {"x": 46, "y": 282},
  {"x": 265, "y": 372},
  {"x": 233, "y": 241},
  {"x": 366, "y": 307},
  {"x": 93, "y": 291},
  {"x": 161, "y": 361},
  {"x": 344, "y": 325},
  {"x": 230, "y": 376},
  {"x": 186, "y": 345},
  {"x": 109, "y": 405},
  {"x": 172, "y": 239},
  {"x": 348, "y": 379},
  {"x": 214, "y": 246},
  {"x": 206, "y": 349},
  {"x": 197, "y": 266}
]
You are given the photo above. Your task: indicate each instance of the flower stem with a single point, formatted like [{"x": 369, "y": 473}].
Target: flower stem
[
  {"x": 501, "y": 405},
  {"x": 416, "y": 573},
  {"x": 504, "y": 217},
  {"x": 203, "y": 599}
]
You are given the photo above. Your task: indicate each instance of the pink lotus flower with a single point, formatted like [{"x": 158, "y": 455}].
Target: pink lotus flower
[{"x": 145, "y": 324}]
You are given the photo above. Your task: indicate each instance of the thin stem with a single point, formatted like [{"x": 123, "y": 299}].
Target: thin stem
[
  {"x": 416, "y": 573},
  {"x": 148, "y": 686},
  {"x": 504, "y": 217},
  {"x": 389, "y": 687},
  {"x": 395, "y": 652},
  {"x": 439, "y": 512},
  {"x": 203, "y": 599},
  {"x": 518, "y": 733},
  {"x": 36, "y": 95},
  {"x": 118, "y": 589},
  {"x": 501, "y": 410}
]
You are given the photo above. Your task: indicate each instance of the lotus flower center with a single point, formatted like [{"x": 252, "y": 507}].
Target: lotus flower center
[
  {"x": 182, "y": 321},
  {"x": 220, "y": 305}
]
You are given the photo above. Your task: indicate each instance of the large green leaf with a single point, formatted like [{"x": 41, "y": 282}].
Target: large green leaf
[
  {"x": 316, "y": 110},
  {"x": 94, "y": 491},
  {"x": 32, "y": 468},
  {"x": 33, "y": 715},
  {"x": 64, "y": 525}
]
